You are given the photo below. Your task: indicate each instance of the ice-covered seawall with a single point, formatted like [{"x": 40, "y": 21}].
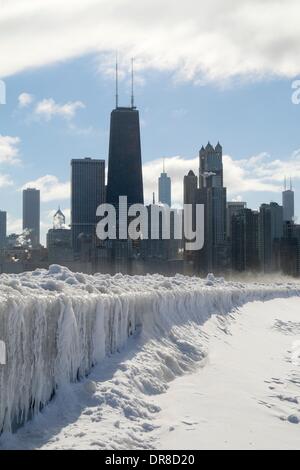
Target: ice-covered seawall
[{"x": 57, "y": 324}]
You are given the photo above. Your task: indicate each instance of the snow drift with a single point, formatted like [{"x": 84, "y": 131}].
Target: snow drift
[{"x": 57, "y": 324}]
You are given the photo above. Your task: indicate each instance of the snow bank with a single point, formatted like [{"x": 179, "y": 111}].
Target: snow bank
[{"x": 57, "y": 324}]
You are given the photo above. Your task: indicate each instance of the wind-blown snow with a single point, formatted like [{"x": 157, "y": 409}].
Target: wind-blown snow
[{"x": 57, "y": 324}]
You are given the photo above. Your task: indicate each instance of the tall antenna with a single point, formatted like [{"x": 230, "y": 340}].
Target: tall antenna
[
  {"x": 291, "y": 184},
  {"x": 132, "y": 84},
  {"x": 163, "y": 165},
  {"x": 285, "y": 187},
  {"x": 117, "y": 82}
]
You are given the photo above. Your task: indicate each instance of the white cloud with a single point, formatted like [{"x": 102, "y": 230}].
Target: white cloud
[
  {"x": 13, "y": 225},
  {"x": 25, "y": 100},
  {"x": 5, "y": 180},
  {"x": 176, "y": 167},
  {"x": 258, "y": 173},
  {"x": 213, "y": 40},
  {"x": 50, "y": 187},
  {"x": 48, "y": 108},
  {"x": 48, "y": 216},
  {"x": 9, "y": 150}
]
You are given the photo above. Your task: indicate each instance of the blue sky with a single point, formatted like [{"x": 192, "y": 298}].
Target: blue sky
[{"x": 58, "y": 107}]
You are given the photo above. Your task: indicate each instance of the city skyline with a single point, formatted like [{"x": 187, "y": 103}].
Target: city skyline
[
  {"x": 286, "y": 198},
  {"x": 52, "y": 131}
]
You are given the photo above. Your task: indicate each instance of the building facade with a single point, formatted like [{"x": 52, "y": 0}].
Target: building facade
[
  {"x": 233, "y": 208},
  {"x": 31, "y": 215},
  {"x": 245, "y": 241},
  {"x": 288, "y": 203},
  {"x": 270, "y": 232},
  {"x": 164, "y": 189},
  {"x": 125, "y": 159},
  {"x": 3, "y": 229},
  {"x": 87, "y": 193},
  {"x": 215, "y": 256}
]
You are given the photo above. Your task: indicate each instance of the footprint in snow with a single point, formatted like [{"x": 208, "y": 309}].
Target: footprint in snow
[{"x": 294, "y": 419}]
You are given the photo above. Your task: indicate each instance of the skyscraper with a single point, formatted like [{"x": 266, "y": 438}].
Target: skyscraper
[
  {"x": 31, "y": 214},
  {"x": 270, "y": 230},
  {"x": 244, "y": 234},
  {"x": 2, "y": 229},
  {"x": 87, "y": 193},
  {"x": 288, "y": 202},
  {"x": 59, "y": 241},
  {"x": 164, "y": 188},
  {"x": 233, "y": 208},
  {"x": 211, "y": 166},
  {"x": 289, "y": 247},
  {"x": 125, "y": 157},
  {"x": 190, "y": 185},
  {"x": 216, "y": 252}
]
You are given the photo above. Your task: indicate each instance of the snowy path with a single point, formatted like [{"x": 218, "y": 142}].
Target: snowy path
[
  {"x": 248, "y": 391},
  {"x": 243, "y": 396}
]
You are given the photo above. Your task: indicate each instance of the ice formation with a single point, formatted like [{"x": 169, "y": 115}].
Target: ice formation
[{"x": 57, "y": 324}]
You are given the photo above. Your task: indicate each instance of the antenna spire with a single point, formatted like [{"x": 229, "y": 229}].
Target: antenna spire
[
  {"x": 285, "y": 187},
  {"x": 291, "y": 184},
  {"x": 132, "y": 83},
  {"x": 163, "y": 165},
  {"x": 153, "y": 198},
  {"x": 117, "y": 81}
]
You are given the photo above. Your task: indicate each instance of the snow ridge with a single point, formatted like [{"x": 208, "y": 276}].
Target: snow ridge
[{"x": 57, "y": 325}]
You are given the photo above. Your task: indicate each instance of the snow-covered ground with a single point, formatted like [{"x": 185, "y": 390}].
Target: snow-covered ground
[
  {"x": 179, "y": 362},
  {"x": 248, "y": 394}
]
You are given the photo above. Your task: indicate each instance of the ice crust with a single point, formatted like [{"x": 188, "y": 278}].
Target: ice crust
[{"x": 57, "y": 325}]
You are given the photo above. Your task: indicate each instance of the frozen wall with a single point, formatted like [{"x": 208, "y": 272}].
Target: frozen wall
[{"x": 57, "y": 324}]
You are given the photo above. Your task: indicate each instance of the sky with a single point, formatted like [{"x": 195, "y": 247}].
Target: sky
[{"x": 204, "y": 71}]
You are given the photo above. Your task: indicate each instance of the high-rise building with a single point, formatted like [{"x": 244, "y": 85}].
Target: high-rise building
[
  {"x": 244, "y": 233},
  {"x": 164, "y": 188},
  {"x": 3, "y": 217},
  {"x": 87, "y": 193},
  {"x": 125, "y": 157},
  {"x": 288, "y": 202},
  {"x": 190, "y": 185},
  {"x": 296, "y": 234},
  {"x": 215, "y": 255},
  {"x": 233, "y": 208},
  {"x": 59, "y": 241},
  {"x": 31, "y": 214},
  {"x": 289, "y": 250},
  {"x": 211, "y": 166},
  {"x": 270, "y": 230}
]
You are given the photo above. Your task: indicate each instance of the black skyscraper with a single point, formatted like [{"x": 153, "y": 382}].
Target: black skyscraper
[{"x": 125, "y": 160}]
